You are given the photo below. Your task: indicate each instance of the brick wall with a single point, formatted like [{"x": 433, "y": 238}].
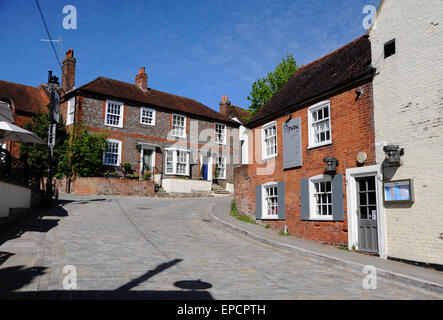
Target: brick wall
[
  {"x": 352, "y": 132},
  {"x": 408, "y": 104},
  {"x": 108, "y": 186},
  {"x": 243, "y": 191},
  {"x": 92, "y": 114}
]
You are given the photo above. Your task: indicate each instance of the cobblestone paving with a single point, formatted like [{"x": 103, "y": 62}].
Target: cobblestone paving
[{"x": 140, "y": 248}]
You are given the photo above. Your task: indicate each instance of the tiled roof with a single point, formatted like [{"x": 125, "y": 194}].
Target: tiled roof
[
  {"x": 334, "y": 70},
  {"x": 25, "y": 98},
  {"x": 131, "y": 92},
  {"x": 241, "y": 114}
]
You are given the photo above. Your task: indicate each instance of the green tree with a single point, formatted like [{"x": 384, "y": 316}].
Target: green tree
[
  {"x": 263, "y": 89},
  {"x": 36, "y": 155},
  {"x": 87, "y": 153}
]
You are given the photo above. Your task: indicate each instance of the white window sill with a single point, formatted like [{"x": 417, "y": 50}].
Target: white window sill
[
  {"x": 320, "y": 145},
  {"x": 319, "y": 218},
  {"x": 111, "y": 165},
  {"x": 270, "y": 157},
  {"x": 111, "y": 125},
  {"x": 148, "y": 124},
  {"x": 269, "y": 218}
]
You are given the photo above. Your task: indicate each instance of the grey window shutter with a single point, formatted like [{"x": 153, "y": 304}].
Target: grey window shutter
[
  {"x": 281, "y": 201},
  {"x": 258, "y": 202},
  {"x": 304, "y": 199},
  {"x": 338, "y": 211}
]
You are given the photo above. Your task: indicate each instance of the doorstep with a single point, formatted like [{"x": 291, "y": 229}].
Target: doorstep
[{"x": 410, "y": 275}]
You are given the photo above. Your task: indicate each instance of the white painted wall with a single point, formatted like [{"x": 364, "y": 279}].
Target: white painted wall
[
  {"x": 408, "y": 99},
  {"x": 230, "y": 187},
  {"x": 185, "y": 185},
  {"x": 12, "y": 196},
  {"x": 243, "y": 135}
]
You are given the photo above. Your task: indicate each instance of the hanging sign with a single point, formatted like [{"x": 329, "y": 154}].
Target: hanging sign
[{"x": 292, "y": 151}]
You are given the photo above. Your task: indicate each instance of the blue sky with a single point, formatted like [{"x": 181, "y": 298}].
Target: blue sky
[{"x": 197, "y": 49}]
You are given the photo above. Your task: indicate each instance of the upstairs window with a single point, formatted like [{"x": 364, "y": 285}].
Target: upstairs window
[
  {"x": 178, "y": 126},
  {"x": 147, "y": 116},
  {"x": 114, "y": 114},
  {"x": 220, "y": 133},
  {"x": 112, "y": 154},
  {"x": 389, "y": 48},
  {"x": 319, "y": 125},
  {"x": 269, "y": 134},
  {"x": 71, "y": 112}
]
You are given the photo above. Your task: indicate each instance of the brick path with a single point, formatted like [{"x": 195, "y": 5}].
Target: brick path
[{"x": 141, "y": 248}]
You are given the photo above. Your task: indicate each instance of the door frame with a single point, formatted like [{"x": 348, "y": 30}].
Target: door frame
[
  {"x": 143, "y": 148},
  {"x": 351, "y": 192},
  {"x": 210, "y": 169}
]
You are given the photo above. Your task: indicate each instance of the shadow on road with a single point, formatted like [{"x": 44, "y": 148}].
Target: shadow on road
[
  {"x": 12, "y": 279},
  {"x": 5, "y": 256}
]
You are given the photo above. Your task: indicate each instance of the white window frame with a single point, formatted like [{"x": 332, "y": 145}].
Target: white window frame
[
  {"x": 312, "y": 201},
  {"x": 70, "y": 112},
  {"x": 122, "y": 107},
  {"x": 224, "y": 167},
  {"x": 265, "y": 215},
  {"x": 311, "y": 128},
  {"x": 153, "y": 116},
  {"x": 184, "y": 126},
  {"x": 266, "y": 156},
  {"x": 119, "y": 159},
  {"x": 223, "y": 133},
  {"x": 175, "y": 161}
]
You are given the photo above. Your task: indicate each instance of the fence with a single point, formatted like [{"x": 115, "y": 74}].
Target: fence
[{"x": 16, "y": 171}]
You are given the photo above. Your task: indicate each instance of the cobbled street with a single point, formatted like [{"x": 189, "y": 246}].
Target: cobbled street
[{"x": 143, "y": 248}]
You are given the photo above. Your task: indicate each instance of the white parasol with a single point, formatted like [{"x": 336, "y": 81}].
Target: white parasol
[{"x": 10, "y": 132}]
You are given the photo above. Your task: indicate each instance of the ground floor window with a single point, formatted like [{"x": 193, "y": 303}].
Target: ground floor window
[
  {"x": 221, "y": 167},
  {"x": 177, "y": 162},
  {"x": 112, "y": 154},
  {"x": 270, "y": 205},
  {"x": 321, "y": 198}
]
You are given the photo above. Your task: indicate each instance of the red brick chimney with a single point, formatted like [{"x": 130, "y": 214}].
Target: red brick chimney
[
  {"x": 142, "y": 79},
  {"x": 225, "y": 106},
  {"x": 68, "y": 77}
]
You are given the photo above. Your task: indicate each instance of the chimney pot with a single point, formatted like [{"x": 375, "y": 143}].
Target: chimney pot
[
  {"x": 68, "y": 76},
  {"x": 141, "y": 79},
  {"x": 225, "y": 106}
]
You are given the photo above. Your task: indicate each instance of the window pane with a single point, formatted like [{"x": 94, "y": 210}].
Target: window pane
[{"x": 363, "y": 199}]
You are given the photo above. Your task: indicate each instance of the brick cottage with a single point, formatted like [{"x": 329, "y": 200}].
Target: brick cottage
[
  {"x": 315, "y": 127},
  {"x": 24, "y": 101},
  {"x": 183, "y": 143}
]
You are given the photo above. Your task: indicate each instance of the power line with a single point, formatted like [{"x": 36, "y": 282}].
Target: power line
[{"x": 50, "y": 38}]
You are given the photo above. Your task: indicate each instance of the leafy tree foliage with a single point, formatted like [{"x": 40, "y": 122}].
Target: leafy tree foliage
[
  {"x": 87, "y": 153},
  {"x": 36, "y": 155},
  {"x": 263, "y": 89}
]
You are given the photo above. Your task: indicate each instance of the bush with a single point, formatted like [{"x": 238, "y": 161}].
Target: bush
[
  {"x": 87, "y": 154},
  {"x": 36, "y": 155}
]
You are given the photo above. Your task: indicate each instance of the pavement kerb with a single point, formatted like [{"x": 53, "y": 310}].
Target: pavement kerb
[{"x": 387, "y": 274}]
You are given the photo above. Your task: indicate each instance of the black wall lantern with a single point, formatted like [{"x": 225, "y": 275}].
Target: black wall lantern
[
  {"x": 393, "y": 155},
  {"x": 331, "y": 164}
]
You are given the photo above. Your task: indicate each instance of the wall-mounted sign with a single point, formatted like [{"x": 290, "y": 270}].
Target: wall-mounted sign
[
  {"x": 292, "y": 151},
  {"x": 398, "y": 191}
]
